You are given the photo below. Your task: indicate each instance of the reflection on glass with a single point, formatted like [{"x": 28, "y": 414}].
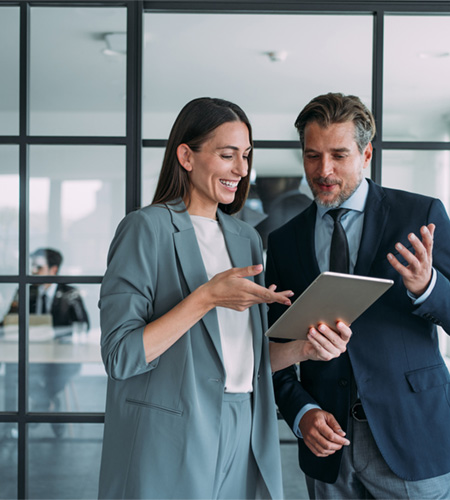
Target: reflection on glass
[
  {"x": 65, "y": 368},
  {"x": 265, "y": 63},
  {"x": 416, "y": 93},
  {"x": 77, "y": 71},
  {"x": 8, "y": 460},
  {"x": 70, "y": 465},
  {"x": 77, "y": 198},
  {"x": 9, "y": 73},
  {"x": 9, "y": 209}
]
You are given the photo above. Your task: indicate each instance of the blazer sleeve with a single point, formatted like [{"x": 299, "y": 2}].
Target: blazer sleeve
[
  {"x": 126, "y": 297},
  {"x": 290, "y": 395},
  {"x": 436, "y": 308}
]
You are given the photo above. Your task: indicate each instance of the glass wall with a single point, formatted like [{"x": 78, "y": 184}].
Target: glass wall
[
  {"x": 9, "y": 74},
  {"x": 416, "y": 72},
  {"x": 9, "y": 209},
  {"x": 77, "y": 198},
  {"x": 265, "y": 63},
  {"x": 83, "y": 123},
  {"x": 77, "y": 71}
]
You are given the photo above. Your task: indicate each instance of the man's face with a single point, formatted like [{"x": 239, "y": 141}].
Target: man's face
[
  {"x": 332, "y": 161},
  {"x": 39, "y": 266}
]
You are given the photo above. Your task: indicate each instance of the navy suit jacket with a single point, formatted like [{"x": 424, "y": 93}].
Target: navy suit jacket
[{"x": 402, "y": 379}]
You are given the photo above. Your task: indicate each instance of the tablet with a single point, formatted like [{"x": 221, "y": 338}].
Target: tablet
[{"x": 329, "y": 298}]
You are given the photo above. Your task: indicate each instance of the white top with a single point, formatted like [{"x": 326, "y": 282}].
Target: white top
[{"x": 235, "y": 326}]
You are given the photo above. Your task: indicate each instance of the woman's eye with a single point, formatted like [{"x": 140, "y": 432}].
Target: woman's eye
[{"x": 227, "y": 157}]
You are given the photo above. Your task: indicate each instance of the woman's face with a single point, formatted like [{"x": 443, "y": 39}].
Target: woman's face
[{"x": 216, "y": 170}]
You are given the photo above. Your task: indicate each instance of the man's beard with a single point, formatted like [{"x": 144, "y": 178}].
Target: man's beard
[{"x": 335, "y": 202}]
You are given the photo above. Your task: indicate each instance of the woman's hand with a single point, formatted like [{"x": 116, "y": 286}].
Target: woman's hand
[
  {"x": 323, "y": 344},
  {"x": 231, "y": 289}
]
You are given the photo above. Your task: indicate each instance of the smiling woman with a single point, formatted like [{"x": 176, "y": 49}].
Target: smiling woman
[
  {"x": 182, "y": 321},
  {"x": 216, "y": 168}
]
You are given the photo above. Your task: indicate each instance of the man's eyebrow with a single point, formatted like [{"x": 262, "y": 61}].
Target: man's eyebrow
[
  {"x": 341, "y": 150},
  {"x": 334, "y": 150}
]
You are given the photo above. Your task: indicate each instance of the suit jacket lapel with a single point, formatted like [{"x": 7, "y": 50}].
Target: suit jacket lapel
[
  {"x": 305, "y": 244},
  {"x": 192, "y": 266},
  {"x": 376, "y": 214},
  {"x": 240, "y": 252}
]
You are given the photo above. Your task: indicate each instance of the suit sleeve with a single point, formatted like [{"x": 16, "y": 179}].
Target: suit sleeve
[
  {"x": 126, "y": 297},
  {"x": 436, "y": 308},
  {"x": 290, "y": 395}
]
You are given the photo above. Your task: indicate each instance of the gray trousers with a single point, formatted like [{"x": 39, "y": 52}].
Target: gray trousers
[
  {"x": 237, "y": 474},
  {"x": 365, "y": 474}
]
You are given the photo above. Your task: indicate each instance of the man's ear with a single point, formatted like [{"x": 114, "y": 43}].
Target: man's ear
[
  {"x": 53, "y": 270},
  {"x": 184, "y": 155},
  {"x": 367, "y": 155}
]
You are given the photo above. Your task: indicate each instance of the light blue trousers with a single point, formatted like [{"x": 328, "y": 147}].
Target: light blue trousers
[{"x": 365, "y": 474}]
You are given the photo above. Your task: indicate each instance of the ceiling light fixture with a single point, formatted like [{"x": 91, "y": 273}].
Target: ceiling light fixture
[
  {"x": 433, "y": 55},
  {"x": 277, "y": 55},
  {"x": 116, "y": 44}
]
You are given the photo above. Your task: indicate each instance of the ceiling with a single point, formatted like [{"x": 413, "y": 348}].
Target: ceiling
[{"x": 77, "y": 87}]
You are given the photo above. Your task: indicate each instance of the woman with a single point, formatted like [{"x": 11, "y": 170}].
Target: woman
[{"x": 190, "y": 411}]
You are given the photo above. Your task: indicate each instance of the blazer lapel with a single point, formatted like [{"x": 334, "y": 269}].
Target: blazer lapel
[
  {"x": 240, "y": 251},
  {"x": 305, "y": 245},
  {"x": 376, "y": 215},
  {"x": 192, "y": 266}
]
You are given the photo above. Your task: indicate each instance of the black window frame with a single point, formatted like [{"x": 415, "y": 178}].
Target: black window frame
[{"x": 134, "y": 142}]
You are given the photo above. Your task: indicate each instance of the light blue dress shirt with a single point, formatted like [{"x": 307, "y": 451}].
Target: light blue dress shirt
[{"x": 353, "y": 223}]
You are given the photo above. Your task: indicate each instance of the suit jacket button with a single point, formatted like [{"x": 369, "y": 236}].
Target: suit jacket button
[{"x": 343, "y": 382}]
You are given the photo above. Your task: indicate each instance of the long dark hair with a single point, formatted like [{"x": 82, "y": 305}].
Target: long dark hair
[{"x": 193, "y": 126}]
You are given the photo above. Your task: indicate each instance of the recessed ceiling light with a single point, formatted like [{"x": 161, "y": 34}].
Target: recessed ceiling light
[
  {"x": 433, "y": 55},
  {"x": 276, "y": 55},
  {"x": 116, "y": 44}
]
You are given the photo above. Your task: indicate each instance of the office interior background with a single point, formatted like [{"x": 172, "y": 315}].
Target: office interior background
[{"x": 88, "y": 93}]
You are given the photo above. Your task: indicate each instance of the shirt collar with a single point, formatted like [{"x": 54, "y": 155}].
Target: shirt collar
[
  {"x": 49, "y": 292},
  {"x": 357, "y": 200}
]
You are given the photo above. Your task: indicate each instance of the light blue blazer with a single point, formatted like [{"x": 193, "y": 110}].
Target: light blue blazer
[{"x": 162, "y": 418}]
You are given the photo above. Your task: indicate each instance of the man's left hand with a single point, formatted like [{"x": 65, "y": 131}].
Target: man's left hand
[{"x": 417, "y": 274}]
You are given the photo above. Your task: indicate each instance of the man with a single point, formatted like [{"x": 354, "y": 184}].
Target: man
[
  {"x": 373, "y": 423},
  {"x": 65, "y": 305}
]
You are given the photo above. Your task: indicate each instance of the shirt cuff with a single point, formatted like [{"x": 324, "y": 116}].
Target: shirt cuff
[
  {"x": 299, "y": 416},
  {"x": 419, "y": 300}
]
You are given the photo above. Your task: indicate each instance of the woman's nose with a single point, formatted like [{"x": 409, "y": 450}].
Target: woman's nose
[{"x": 241, "y": 167}]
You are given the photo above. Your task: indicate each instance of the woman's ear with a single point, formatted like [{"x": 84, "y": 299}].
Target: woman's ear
[{"x": 184, "y": 155}]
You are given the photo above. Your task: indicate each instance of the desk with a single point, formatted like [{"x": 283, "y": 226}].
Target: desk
[
  {"x": 54, "y": 361},
  {"x": 53, "y": 350}
]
